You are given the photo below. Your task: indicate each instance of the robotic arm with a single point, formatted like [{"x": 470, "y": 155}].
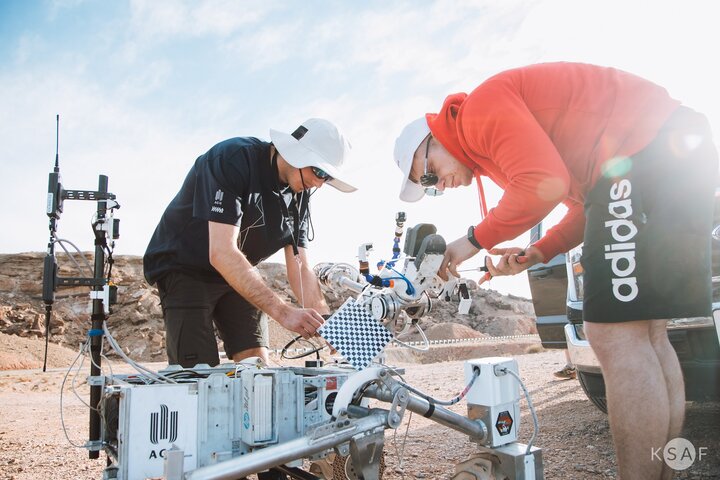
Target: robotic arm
[{"x": 406, "y": 284}]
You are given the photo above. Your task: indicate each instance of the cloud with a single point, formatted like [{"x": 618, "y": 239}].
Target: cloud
[
  {"x": 422, "y": 47},
  {"x": 267, "y": 46},
  {"x": 144, "y": 153},
  {"x": 167, "y": 19},
  {"x": 153, "y": 76}
]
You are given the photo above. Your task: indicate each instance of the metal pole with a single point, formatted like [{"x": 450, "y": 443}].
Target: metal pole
[
  {"x": 97, "y": 318},
  {"x": 441, "y": 415},
  {"x": 302, "y": 447}
]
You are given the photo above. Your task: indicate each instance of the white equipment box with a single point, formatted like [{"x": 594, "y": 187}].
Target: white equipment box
[{"x": 215, "y": 415}]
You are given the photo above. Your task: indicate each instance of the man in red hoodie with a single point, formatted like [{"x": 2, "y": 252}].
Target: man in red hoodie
[{"x": 637, "y": 172}]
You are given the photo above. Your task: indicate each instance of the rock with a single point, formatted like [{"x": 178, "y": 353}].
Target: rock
[{"x": 136, "y": 320}]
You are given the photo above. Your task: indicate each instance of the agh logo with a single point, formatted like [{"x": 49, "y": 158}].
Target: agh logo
[
  {"x": 163, "y": 427},
  {"x": 217, "y": 206}
]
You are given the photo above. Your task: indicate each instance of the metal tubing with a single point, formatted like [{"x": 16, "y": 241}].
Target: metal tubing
[
  {"x": 302, "y": 447},
  {"x": 351, "y": 285},
  {"x": 441, "y": 415},
  {"x": 97, "y": 319}
]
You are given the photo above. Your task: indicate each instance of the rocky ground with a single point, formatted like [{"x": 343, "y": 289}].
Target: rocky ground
[
  {"x": 42, "y": 421},
  {"x": 38, "y": 428},
  {"x": 136, "y": 320}
]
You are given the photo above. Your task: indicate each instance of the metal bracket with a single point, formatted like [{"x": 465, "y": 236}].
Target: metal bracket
[
  {"x": 343, "y": 449},
  {"x": 80, "y": 282},
  {"x": 397, "y": 407},
  {"x": 96, "y": 381},
  {"x": 366, "y": 453},
  {"x": 91, "y": 195},
  {"x": 94, "y": 445},
  {"x": 341, "y": 425}
]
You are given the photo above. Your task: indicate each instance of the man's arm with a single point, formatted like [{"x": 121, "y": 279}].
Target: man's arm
[
  {"x": 231, "y": 263},
  {"x": 308, "y": 292}
]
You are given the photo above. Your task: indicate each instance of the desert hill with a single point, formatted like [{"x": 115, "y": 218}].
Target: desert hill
[{"x": 136, "y": 320}]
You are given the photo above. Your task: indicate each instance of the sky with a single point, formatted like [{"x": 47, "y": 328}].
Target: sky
[{"x": 143, "y": 87}]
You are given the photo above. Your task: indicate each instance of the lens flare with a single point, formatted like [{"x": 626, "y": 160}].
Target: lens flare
[{"x": 616, "y": 167}]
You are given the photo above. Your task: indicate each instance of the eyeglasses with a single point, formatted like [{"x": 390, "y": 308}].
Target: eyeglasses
[
  {"x": 321, "y": 174},
  {"x": 429, "y": 179}
]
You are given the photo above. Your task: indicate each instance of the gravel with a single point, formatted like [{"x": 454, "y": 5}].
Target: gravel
[{"x": 574, "y": 435}]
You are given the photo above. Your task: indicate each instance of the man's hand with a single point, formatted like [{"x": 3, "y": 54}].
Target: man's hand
[
  {"x": 513, "y": 260},
  {"x": 456, "y": 253},
  {"x": 304, "y": 321}
]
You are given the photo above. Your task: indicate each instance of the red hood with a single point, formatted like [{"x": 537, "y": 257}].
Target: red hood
[{"x": 443, "y": 126}]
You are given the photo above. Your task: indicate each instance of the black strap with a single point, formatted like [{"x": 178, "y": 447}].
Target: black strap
[
  {"x": 297, "y": 200},
  {"x": 471, "y": 238},
  {"x": 430, "y": 410}
]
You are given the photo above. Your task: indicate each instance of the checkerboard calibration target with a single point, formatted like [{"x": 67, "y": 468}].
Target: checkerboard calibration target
[{"x": 356, "y": 334}]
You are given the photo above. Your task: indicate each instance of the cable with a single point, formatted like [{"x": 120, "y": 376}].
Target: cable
[
  {"x": 138, "y": 367},
  {"x": 410, "y": 288},
  {"x": 452, "y": 401},
  {"x": 316, "y": 350},
  {"x": 536, "y": 428},
  {"x": 398, "y": 453},
  {"x": 62, "y": 390},
  {"x": 413, "y": 347},
  {"x": 61, "y": 242}
]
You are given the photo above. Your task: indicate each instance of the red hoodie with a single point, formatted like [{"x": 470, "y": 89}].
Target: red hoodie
[{"x": 544, "y": 134}]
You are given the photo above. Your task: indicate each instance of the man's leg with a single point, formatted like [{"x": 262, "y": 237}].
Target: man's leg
[
  {"x": 187, "y": 310},
  {"x": 637, "y": 395},
  {"x": 673, "y": 380},
  {"x": 243, "y": 328},
  {"x": 261, "y": 352},
  {"x": 568, "y": 371}
]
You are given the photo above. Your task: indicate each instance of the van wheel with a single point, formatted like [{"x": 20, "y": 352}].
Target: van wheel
[{"x": 598, "y": 400}]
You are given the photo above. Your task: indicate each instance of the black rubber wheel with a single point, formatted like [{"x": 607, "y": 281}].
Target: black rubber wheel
[{"x": 598, "y": 400}]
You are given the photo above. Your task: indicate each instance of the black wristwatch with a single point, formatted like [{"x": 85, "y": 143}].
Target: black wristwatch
[{"x": 471, "y": 237}]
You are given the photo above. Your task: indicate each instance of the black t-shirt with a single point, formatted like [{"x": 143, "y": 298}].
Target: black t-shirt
[{"x": 234, "y": 183}]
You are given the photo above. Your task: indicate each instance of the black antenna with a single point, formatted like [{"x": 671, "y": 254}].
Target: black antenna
[
  {"x": 57, "y": 143},
  {"x": 54, "y": 208}
]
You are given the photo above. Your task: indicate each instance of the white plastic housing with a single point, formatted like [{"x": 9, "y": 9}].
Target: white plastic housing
[{"x": 490, "y": 389}]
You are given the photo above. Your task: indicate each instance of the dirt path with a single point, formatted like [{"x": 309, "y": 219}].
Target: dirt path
[{"x": 574, "y": 435}]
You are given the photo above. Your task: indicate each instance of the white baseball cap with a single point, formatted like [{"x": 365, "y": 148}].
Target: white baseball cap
[
  {"x": 316, "y": 143},
  {"x": 405, "y": 145}
]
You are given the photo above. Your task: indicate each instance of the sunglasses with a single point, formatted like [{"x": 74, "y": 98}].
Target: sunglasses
[
  {"x": 321, "y": 174},
  {"x": 429, "y": 179}
]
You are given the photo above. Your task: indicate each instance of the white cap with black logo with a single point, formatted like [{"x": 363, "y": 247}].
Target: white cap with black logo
[{"x": 316, "y": 143}]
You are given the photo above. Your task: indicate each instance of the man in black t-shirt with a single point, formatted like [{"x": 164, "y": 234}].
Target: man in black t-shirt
[{"x": 241, "y": 202}]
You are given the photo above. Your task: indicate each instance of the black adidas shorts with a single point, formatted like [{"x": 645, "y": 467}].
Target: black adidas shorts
[
  {"x": 191, "y": 307},
  {"x": 646, "y": 252}
]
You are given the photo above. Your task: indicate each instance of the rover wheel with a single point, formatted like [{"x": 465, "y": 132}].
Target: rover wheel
[
  {"x": 479, "y": 467},
  {"x": 343, "y": 468}
]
